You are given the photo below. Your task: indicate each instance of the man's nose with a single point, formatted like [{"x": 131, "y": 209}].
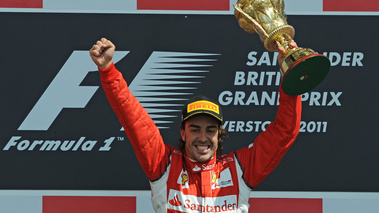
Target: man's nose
[{"x": 202, "y": 136}]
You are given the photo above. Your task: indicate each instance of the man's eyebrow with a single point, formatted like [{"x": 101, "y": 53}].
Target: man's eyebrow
[
  {"x": 213, "y": 126},
  {"x": 194, "y": 126},
  {"x": 197, "y": 126}
]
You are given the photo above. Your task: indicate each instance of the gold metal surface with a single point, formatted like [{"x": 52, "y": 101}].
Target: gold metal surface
[
  {"x": 302, "y": 68},
  {"x": 294, "y": 55},
  {"x": 267, "y": 18}
]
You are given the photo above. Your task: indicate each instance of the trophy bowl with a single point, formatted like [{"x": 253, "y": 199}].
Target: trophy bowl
[{"x": 302, "y": 69}]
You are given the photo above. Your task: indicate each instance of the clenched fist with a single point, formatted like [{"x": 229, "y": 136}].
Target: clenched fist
[{"x": 102, "y": 53}]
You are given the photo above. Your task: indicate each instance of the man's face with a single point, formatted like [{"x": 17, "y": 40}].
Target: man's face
[{"x": 201, "y": 137}]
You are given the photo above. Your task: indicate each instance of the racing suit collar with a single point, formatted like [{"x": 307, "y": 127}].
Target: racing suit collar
[{"x": 200, "y": 167}]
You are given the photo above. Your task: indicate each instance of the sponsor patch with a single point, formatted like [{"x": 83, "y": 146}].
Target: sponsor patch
[
  {"x": 189, "y": 203},
  {"x": 224, "y": 180},
  {"x": 203, "y": 105},
  {"x": 183, "y": 179}
]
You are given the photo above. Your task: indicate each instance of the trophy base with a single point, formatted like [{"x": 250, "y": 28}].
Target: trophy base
[{"x": 305, "y": 74}]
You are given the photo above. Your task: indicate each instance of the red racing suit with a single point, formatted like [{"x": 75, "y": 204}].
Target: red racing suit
[{"x": 221, "y": 185}]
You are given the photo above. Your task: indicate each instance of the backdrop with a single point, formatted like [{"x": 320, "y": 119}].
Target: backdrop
[{"x": 59, "y": 132}]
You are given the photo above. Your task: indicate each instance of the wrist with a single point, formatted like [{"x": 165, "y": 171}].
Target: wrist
[{"x": 105, "y": 66}]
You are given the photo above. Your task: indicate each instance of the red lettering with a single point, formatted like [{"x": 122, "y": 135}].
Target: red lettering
[
  {"x": 193, "y": 207},
  {"x": 186, "y": 205},
  {"x": 201, "y": 208},
  {"x": 224, "y": 208},
  {"x": 210, "y": 208},
  {"x": 202, "y": 105},
  {"x": 230, "y": 207}
]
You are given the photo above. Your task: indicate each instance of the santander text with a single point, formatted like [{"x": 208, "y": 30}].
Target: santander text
[{"x": 208, "y": 208}]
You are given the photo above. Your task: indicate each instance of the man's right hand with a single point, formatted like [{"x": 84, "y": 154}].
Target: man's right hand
[
  {"x": 102, "y": 53},
  {"x": 283, "y": 51}
]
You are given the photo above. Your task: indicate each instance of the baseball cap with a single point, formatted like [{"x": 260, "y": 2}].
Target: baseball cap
[{"x": 201, "y": 105}]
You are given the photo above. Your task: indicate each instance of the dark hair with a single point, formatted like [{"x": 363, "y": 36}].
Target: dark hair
[{"x": 221, "y": 138}]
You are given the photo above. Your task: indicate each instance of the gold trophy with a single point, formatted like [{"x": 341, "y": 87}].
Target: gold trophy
[{"x": 302, "y": 68}]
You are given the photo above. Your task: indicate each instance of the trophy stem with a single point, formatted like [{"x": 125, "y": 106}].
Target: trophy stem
[
  {"x": 280, "y": 37},
  {"x": 281, "y": 41}
]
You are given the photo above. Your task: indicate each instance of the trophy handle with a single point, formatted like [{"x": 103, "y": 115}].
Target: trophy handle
[{"x": 260, "y": 31}]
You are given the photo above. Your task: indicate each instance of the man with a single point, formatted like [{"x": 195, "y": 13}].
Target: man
[{"x": 193, "y": 178}]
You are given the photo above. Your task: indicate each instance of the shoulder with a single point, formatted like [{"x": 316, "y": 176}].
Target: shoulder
[
  {"x": 224, "y": 159},
  {"x": 175, "y": 151}
]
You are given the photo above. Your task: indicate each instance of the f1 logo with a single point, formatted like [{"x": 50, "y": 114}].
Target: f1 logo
[{"x": 65, "y": 91}]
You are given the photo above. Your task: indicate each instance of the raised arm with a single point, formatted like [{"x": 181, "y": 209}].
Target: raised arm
[
  {"x": 152, "y": 153},
  {"x": 261, "y": 158}
]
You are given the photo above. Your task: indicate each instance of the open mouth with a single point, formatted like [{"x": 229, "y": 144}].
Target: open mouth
[{"x": 202, "y": 147}]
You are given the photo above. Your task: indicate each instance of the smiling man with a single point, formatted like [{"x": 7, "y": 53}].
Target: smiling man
[
  {"x": 200, "y": 137},
  {"x": 201, "y": 130},
  {"x": 195, "y": 177}
]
